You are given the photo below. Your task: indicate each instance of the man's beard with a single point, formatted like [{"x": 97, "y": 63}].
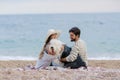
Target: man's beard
[{"x": 72, "y": 40}]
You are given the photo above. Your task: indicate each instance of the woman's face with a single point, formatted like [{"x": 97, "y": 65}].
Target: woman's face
[{"x": 54, "y": 36}]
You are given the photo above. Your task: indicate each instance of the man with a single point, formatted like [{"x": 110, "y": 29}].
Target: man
[{"x": 77, "y": 57}]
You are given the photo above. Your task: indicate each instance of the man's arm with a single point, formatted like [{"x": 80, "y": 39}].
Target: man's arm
[{"x": 73, "y": 55}]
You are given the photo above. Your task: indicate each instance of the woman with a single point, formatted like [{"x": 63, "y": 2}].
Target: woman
[{"x": 46, "y": 53}]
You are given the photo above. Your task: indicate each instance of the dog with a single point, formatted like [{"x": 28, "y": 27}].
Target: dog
[{"x": 55, "y": 46}]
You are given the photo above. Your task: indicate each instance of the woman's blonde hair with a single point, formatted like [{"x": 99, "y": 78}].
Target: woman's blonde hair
[{"x": 43, "y": 48}]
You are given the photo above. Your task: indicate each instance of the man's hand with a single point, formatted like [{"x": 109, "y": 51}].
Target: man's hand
[{"x": 63, "y": 59}]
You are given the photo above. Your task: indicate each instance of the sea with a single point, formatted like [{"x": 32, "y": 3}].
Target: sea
[{"x": 22, "y": 35}]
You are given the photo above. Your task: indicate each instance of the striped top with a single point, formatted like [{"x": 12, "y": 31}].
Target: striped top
[{"x": 78, "y": 48}]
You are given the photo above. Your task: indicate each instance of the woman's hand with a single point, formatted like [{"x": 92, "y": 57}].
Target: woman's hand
[{"x": 50, "y": 50}]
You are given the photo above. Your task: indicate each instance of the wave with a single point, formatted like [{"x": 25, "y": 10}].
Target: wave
[
  {"x": 6, "y": 58},
  {"x": 104, "y": 58}
]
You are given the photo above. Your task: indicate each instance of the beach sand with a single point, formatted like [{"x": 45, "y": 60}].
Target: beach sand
[{"x": 97, "y": 70}]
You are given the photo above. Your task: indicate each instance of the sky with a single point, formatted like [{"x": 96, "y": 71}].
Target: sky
[{"x": 58, "y": 6}]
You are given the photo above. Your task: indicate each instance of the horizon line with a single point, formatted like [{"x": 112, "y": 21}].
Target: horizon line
[{"x": 58, "y": 13}]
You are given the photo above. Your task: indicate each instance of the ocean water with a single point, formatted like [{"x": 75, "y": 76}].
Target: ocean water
[{"x": 22, "y": 36}]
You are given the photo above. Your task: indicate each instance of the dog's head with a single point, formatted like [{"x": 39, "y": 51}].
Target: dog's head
[{"x": 55, "y": 46}]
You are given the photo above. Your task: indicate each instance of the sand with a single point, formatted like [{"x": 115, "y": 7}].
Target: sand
[{"x": 97, "y": 70}]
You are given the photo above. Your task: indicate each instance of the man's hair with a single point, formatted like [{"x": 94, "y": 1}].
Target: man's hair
[{"x": 76, "y": 31}]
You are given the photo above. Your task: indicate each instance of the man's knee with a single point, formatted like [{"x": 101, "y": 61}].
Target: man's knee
[{"x": 66, "y": 51}]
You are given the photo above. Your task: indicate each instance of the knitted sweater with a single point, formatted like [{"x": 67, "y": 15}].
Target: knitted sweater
[{"x": 78, "y": 48}]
